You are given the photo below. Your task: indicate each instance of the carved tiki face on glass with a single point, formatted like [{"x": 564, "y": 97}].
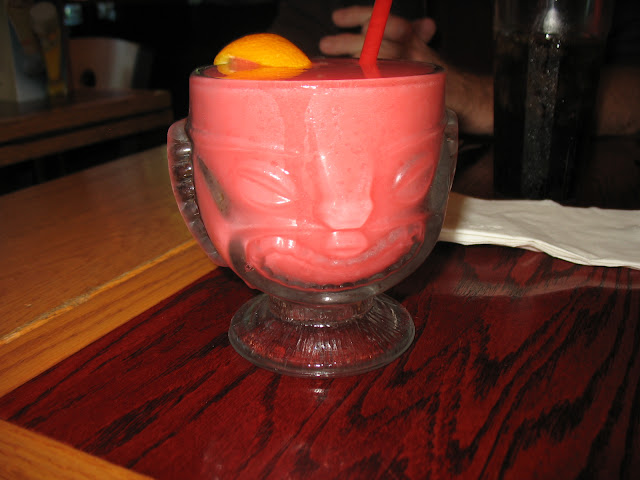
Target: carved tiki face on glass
[{"x": 322, "y": 190}]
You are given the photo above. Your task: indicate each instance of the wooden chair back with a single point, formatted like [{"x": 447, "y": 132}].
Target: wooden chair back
[{"x": 108, "y": 63}]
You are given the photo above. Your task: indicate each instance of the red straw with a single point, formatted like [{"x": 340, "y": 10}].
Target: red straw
[{"x": 372, "y": 40}]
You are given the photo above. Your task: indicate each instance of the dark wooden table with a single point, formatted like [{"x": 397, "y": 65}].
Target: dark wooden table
[{"x": 523, "y": 366}]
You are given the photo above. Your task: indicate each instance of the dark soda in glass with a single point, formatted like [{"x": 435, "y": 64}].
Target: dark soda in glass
[{"x": 545, "y": 89}]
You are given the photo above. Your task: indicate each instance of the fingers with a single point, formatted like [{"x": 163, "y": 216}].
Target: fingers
[
  {"x": 342, "y": 44},
  {"x": 397, "y": 29},
  {"x": 402, "y": 39},
  {"x": 424, "y": 29},
  {"x": 351, "y": 16},
  {"x": 351, "y": 44},
  {"x": 392, "y": 50},
  {"x": 422, "y": 53}
]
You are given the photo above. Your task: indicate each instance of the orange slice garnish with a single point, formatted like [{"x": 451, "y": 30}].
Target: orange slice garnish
[{"x": 261, "y": 56}]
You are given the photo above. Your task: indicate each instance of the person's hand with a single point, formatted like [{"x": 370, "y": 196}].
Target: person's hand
[
  {"x": 402, "y": 38},
  {"x": 470, "y": 96}
]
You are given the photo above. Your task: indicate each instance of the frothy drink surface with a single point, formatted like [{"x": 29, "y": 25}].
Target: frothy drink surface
[{"x": 319, "y": 179}]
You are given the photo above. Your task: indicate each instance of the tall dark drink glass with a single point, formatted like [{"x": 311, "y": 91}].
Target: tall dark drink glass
[{"x": 546, "y": 79}]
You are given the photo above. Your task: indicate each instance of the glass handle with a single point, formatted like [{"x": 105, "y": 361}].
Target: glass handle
[
  {"x": 179, "y": 150},
  {"x": 451, "y": 143},
  {"x": 443, "y": 180}
]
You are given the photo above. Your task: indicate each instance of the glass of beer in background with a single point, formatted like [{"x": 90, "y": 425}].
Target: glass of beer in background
[{"x": 548, "y": 56}]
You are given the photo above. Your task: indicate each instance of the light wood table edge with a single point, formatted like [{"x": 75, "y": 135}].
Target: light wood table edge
[
  {"x": 28, "y": 455},
  {"x": 61, "y": 332}
]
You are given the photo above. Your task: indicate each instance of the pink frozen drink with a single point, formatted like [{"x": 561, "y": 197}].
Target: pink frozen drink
[{"x": 319, "y": 179}]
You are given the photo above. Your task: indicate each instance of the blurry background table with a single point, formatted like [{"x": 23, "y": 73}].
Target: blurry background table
[
  {"x": 43, "y": 140},
  {"x": 523, "y": 366},
  {"x": 89, "y": 116}
]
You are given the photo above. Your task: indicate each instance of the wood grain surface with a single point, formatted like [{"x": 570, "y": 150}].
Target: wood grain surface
[
  {"x": 523, "y": 366},
  {"x": 85, "y": 253},
  {"x": 50, "y": 459}
]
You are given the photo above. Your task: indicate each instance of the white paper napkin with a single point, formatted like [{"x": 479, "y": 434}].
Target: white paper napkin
[{"x": 587, "y": 236}]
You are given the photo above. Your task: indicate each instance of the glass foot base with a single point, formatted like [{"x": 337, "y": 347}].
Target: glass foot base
[{"x": 321, "y": 341}]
